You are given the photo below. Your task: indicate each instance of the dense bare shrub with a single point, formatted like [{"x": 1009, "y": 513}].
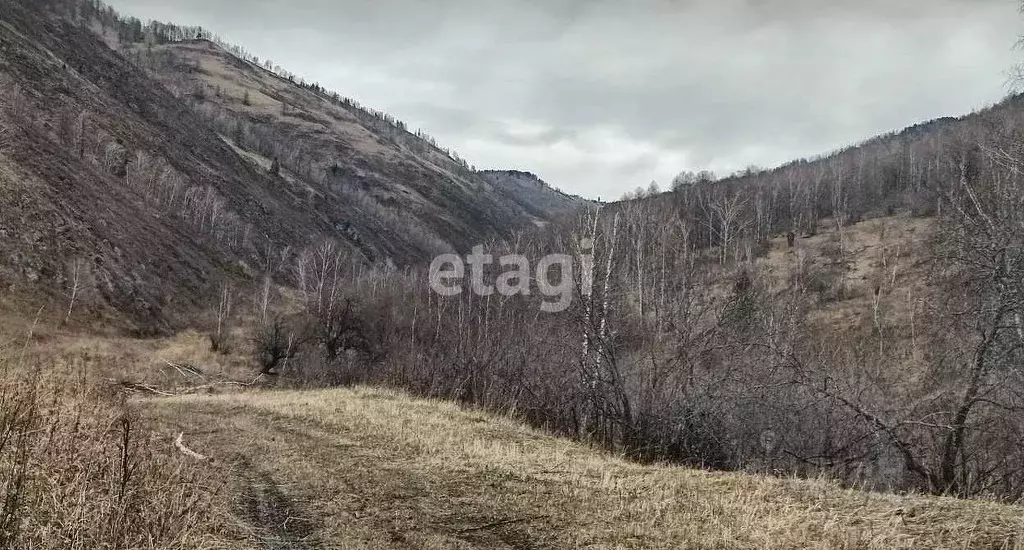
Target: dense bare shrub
[{"x": 274, "y": 345}]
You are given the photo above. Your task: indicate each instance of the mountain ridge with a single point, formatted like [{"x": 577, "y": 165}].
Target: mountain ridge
[{"x": 160, "y": 184}]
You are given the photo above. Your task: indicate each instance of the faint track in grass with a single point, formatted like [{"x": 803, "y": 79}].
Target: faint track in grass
[{"x": 371, "y": 469}]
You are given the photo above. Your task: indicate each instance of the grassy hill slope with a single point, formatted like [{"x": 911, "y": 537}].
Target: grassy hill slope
[{"x": 396, "y": 194}]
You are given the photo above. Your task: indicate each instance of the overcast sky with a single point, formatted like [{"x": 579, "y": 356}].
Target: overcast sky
[{"x": 600, "y": 96}]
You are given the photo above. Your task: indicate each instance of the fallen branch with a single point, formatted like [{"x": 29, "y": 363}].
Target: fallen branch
[
  {"x": 186, "y": 451},
  {"x": 140, "y": 387},
  {"x": 185, "y": 370},
  {"x": 196, "y": 389},
  {"x": 503, "y": 523},
  {"x": 132, "y": 386}
]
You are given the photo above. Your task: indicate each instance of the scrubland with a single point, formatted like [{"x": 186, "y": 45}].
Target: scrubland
[{"x": 87, "y": 447}]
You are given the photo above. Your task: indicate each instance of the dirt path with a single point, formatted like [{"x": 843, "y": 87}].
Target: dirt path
[
  {"x": 299, "y": 485},
  {"x": 272, "y": 516}
]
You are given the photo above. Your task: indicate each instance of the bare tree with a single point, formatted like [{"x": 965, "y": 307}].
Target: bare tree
[
  {"x": 219, "y": 337},
  {"x": 725, "y": 220},
  {"x": 75, "y": 284}
]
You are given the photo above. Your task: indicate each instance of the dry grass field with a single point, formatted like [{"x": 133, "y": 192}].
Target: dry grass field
[
  {"x": 80, "y": 469},
  {"x": 371, "y": 468}
]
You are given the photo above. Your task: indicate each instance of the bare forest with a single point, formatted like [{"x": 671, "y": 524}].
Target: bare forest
[{"x": 701, "y": 346}]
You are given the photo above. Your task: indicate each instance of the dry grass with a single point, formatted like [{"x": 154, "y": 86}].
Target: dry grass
[
  {"x": 129, "y": 360},
  {"x": 889, "y": 255},
  {"x": 369, "y": 468},
  {"x": 80, "y": 470},
  {"x": 220, "y": 71}
]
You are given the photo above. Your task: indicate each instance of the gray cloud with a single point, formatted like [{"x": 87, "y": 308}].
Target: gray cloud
[{"x": 599, "y": 96}]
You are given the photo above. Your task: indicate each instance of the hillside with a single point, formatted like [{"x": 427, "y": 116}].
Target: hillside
[
  {"x": 533, "y": 194},
  {"x": 915, "y": 170},
  {"x": 396, "y": 195},
  {"x": 142, "y": 201},
  {"x": 109, "y": 175}
]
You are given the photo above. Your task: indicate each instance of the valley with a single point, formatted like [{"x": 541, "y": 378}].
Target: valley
[
  {"x": 219, "y": 326},
  {"x": 375, "y": 468}
]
